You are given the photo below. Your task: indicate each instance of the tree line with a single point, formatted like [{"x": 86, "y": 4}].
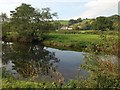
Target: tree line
[{"x": 99, "y": 23}]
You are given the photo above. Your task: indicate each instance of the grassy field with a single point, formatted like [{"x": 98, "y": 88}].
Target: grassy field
[{"x": 71, "y": 40}]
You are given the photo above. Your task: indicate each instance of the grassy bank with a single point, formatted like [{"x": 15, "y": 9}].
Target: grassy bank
[
  {"x": 72, "y": 40},
  {"x": 79, "y": 42}
]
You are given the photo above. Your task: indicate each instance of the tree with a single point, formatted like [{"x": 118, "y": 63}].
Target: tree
[
  {"x": 5, "y": 24},
  {"x": 72, "y": 21},
  {"x": 47, "y": 15},
  {"x": 31, "y": 23},
  {"x": 103, "y": 23},
  {"x": 5, "y": 28},
  {"x": 115, "y": 20},
  {"x": 79, "y": 20},
  {"x": 44, "y": 20},
  {"x": 22, "y": 19}
]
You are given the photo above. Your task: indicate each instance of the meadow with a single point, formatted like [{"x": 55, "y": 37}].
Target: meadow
[
  {"x": 71, "y": 40},
  {"x": 74, "y": 40}
]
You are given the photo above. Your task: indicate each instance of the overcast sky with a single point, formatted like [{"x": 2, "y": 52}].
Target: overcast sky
[{"x": 67, "y": 9}]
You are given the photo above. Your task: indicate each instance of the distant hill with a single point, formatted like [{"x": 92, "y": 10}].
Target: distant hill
[{"x": 100, "y": 22}]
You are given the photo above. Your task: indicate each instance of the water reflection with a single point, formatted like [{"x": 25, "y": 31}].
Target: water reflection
[
  {"x": 30, "y": 61},
  {"x": 37, "y": 62}
]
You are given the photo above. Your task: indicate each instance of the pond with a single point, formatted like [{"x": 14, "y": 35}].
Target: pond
[{"x": 40, "y": 63}]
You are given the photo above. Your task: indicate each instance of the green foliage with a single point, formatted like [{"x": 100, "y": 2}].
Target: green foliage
[
  {"x": 72, "y": 21},
  {"x": 5, "y": 28},
  {"x": 57, "y": 25},
  {"x": 72, "y": 40},
  {"x": 116, "y": 21},
  {"x": 75, "y": 27},
  {"x": 103, "y": 23},
  {"x": 12, "y": 83},
  {"x": 104, "y": 70},
  {"x": 100, "y": 23},
  {"x": 84, "y": 24},
  {"x": 79, "y": 20},
  {"x": 30, "y": 23}
]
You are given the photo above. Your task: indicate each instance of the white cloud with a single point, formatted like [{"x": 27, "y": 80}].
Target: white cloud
[{"x": 100, "y": 7}]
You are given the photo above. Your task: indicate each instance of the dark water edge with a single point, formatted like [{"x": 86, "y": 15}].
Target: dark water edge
[
  {"x": 21, "y": 39},
  {"x": 57, "y": 46},
  {"x": 80, "y": 49}
]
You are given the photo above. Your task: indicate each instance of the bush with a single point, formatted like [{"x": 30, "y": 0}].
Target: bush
[{"x": 104, "y": 70}]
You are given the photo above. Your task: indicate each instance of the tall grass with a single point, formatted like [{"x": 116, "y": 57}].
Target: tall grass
[{"x": 72, "y": 40}]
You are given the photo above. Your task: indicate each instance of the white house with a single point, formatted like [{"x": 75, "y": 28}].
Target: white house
[{"x": 66, "y": 28}]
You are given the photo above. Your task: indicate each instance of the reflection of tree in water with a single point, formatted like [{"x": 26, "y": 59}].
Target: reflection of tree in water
[{"x": 30, "y": 60}]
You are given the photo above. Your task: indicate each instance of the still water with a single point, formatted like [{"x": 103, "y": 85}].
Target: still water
[{"x": 40, "y": 63}]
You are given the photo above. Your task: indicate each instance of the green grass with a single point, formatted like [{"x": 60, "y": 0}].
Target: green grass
[
  {"x": 73, "y": 37},
  {"x": 72, "y": 40},
  {"x": 105, "y": 82},
  {"x": 12, "y": 83}
]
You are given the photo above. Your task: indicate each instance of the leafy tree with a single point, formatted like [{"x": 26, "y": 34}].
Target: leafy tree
[
  {"x": 5, "y": 23},
  {"x": 79, "y": 20},
  {"x": 115, "y": 20},
  {"x": 5, "y": 28},
  {"x": 103, "y": 23},
  {"x": 22, "y": 19},
  {"x": 31, "y": 23},
  {"x": 72, "y": 21},
  {"x": 47, "y": 15}
]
